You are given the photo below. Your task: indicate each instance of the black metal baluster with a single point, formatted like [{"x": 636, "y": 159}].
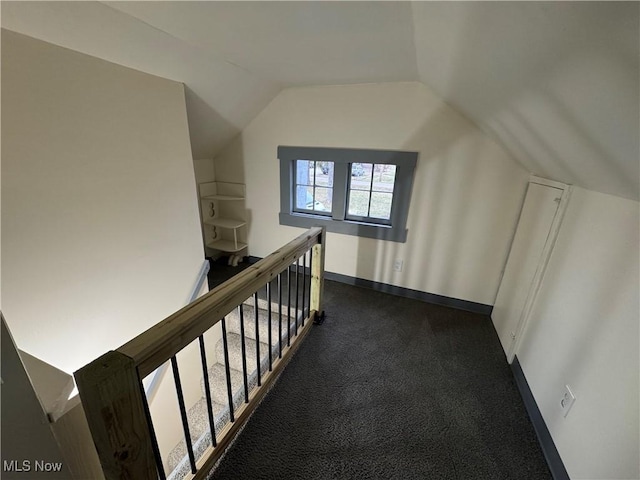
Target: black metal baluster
[
  {"x": 255, "y": 302},
  {"x": 207, "y": 390},
  {"x": 152, "y": 434},
  {"x": 304, "y": 282},
  {"x": 297, "y": 292},
  {"x": 244, "y": 355},
  {"x": 289, "y": 306},
  {"x": 280, "y": 315},
  {"x": 227, "y": 369},
  {"x": 183, "y": 414},
  {"x": 269, "y": 336}
]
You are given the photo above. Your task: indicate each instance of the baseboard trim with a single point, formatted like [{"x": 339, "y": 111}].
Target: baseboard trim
[
  {"x": 549, "y": 449},
  {"x": 404, "y": 292},
  {"x": 409, "y": 293}
]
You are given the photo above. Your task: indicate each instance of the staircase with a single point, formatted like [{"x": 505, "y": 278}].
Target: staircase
[
  {"x": 112, "y": 386},
  {"x": 178, "y": 461}
]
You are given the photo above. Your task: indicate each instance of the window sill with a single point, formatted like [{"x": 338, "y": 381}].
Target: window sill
[{"x": 345, "y": 227}]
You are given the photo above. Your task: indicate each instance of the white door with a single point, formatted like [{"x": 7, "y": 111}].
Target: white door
[{"x": 529, "y": 253}]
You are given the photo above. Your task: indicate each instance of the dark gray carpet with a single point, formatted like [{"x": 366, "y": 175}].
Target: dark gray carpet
[
  {"x": 220, "y": 271},
  {"x": 390, "y": 388}
]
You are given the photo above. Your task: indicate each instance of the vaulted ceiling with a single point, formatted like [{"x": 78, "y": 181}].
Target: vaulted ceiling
[{"x": 557, "y": 83}]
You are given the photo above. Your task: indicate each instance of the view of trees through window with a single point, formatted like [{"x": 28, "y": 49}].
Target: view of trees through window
[
  {"x": 369, "y": 195},
  {"x": 371, "y": 190},
  {"x": 314, "y": 186}
]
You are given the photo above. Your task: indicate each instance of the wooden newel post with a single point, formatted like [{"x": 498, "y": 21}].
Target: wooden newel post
[
  {"x": 112, "y": 400},
  {"x": 317, "y": 276}
]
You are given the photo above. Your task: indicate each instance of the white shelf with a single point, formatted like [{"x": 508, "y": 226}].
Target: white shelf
[
  {"x": 225, "y": 222},
  {"x": 227, "y": 245},
  {"x": 222, "y": 197},
  {"x": 222, "y": 207}
]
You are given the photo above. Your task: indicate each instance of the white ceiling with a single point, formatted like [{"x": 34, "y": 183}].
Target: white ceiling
[
  {"x": 295, "y": 43},
  {"x": 555, "y": 82}
]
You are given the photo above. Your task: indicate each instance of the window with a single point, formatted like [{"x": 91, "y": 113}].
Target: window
[
  {"x": 350, "y": 191},
  {"x": 314, "y": 187},
  {"x": 371, "y": 192}
]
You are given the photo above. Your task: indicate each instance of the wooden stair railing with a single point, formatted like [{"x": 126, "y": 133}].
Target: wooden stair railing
[{"x": 111, "y": 386}]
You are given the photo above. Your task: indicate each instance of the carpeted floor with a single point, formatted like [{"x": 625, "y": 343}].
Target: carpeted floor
[
  {"x": 390, "y": 388},
  {"x": 220, "y": 271}
]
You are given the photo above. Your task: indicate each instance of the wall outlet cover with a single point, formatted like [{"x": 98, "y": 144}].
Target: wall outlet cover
[{"x": 567, "y": 400}]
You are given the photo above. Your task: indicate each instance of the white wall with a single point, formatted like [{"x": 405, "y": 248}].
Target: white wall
[
  {"x": 583, "y": 331},
  {"x": 100, "y": 228},
  {"x": 204, "y": 170},
  {"x": 466, "y": 197}
]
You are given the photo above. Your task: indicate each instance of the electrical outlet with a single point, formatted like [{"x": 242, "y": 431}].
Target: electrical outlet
[
  {"x": 397, "y": 265},
  {"x": 566, "y": 402}
]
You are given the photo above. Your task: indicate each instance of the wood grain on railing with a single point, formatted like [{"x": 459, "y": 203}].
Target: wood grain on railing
[
  {"x": 317, "y": 276},
  {"x": 111, "y": 394}
]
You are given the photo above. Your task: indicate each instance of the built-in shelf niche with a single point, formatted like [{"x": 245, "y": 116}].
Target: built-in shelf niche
[{"x": 223, "y": 218}]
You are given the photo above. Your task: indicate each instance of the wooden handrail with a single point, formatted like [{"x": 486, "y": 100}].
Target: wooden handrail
[
  {"x": 158, "y": 344},
  {"x": 111, "y": 386}
]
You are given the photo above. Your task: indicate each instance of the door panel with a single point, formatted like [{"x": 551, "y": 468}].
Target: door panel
[{"x": 525, "y": 258}]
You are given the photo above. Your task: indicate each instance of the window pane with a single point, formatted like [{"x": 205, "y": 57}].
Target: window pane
[
  {"x": 384, "y": 177},
  {"x": 361, "y": 176},
  {"x": 323, "y": 198},
  {"x": 324, "y": 174},
  {"x": 358, "y": 203},
  {"x": 381, "y": 205},
  {"x": 304, "y": 172},
  {"x": 304, "y": 197}
]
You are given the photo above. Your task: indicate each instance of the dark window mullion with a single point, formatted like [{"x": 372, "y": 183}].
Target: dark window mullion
[
  {"x": 313, "y": 183},
  {"x": 313, "y": 201},
  {"x": 373, "y": 165},
  {"x": 340, "y": 190},
  {"x": 294, "y": 203},
  {"x": 314, "y": 174}
]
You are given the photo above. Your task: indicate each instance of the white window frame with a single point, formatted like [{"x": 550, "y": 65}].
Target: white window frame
[{"x": 394, "y": 230}]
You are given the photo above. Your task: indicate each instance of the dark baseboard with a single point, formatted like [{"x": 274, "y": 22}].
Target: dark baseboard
[
  {"x": 405, "y": 292},
  {"x": 409, "y": 293},
  {"x": 544, "y": 437}
]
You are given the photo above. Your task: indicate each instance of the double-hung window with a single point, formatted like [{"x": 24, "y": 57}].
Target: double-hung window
[{"x": 351, "y": 191}]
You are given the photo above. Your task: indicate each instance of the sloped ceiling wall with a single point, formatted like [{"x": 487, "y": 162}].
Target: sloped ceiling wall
[
  {"x": 222, "y": 98},
  {"x": 555, "y": 82}
]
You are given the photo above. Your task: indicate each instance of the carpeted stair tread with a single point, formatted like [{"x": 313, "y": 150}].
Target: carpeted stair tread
[
  {"x": 198, "y": 420},
  {"x": 235, "y": 352},
  {"x": 197, "y": 415},
  {"x": 233, "y": 323},
  {"x": 263, "y": 304},
  {"x": 218, "y": 383}
]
